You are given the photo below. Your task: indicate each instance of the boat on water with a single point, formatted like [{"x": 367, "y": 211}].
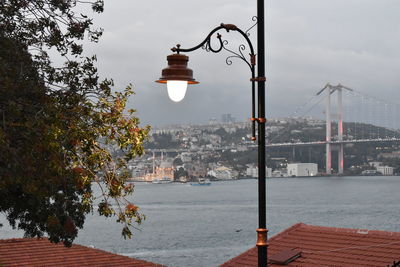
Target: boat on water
[
  {"x": 201, "y": 182},
  {"x": 164, "y": 180}
]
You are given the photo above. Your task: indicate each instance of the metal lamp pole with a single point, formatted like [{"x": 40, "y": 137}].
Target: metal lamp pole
[
  {"x": 177, "y": 76},
  {"x": 262, "y": 224}
]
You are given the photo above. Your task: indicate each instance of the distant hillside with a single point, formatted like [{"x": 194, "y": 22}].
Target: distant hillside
[{"x": 238, "y": 135}]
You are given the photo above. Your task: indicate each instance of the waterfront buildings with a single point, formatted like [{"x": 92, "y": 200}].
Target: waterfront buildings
[
  {"x": 302, "y": 169},
  {"x": 203, "y": 148},
  {"x": 252, "y": 171},
  {"x": 385, "y": 170}
]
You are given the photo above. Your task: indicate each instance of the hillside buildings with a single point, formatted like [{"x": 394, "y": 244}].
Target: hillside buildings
[{"x": 226, "y": 151}]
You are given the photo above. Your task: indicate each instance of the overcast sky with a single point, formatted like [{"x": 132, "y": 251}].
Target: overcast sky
[{"x": 308, "y": 43}]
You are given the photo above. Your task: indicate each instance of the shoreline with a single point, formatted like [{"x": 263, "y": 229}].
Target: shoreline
[{"x": 255, "y": 178}]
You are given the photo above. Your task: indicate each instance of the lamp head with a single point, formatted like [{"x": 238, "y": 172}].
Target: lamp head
[{"x": 177, "y": 76}]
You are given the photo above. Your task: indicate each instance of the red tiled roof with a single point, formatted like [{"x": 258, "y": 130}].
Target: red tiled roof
[
  {"x": 329, "y": 246},
  {"x": 33, "y": 252}
]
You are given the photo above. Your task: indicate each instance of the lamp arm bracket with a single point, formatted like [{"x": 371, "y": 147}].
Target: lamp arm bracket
[
  {"x": 207, "y": 45},
  {"x": 255, "y": 19}
]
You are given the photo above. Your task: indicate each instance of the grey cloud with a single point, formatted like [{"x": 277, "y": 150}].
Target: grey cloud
[{"x": 309, "y": 43}]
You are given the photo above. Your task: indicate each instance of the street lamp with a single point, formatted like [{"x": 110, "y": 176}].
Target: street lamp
[{"x": 177, "y": 76}]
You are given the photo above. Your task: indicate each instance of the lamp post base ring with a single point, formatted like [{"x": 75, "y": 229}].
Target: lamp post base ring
[{"x": 262, "y": 237}]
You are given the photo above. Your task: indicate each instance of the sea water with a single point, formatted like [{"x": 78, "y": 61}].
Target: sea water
[{"x": 206, "y": 226}]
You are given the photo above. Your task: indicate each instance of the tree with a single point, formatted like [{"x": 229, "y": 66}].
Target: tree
[
  {"x": 177, "y": 162},
  {"x": 57, "y": 124},
  {"x": 180, "y": 173}
]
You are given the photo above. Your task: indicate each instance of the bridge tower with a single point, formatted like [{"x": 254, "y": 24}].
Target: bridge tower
[
  {"x": 330, "y": 89},
  {"x": 340, "y": 129},
  {"x": 328, "y": 158}
]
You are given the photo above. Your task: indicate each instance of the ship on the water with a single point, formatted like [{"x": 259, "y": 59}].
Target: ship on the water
[
  {"x": 164, "y": 180},
  {"x": 202, "y": 182}
]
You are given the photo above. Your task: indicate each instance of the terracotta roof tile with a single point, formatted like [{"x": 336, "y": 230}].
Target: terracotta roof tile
[
  {"x": 24, "y": 252},
  {"x": 329, "y": 246}
]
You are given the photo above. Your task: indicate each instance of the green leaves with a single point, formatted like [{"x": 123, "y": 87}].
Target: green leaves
[
  {"x": 60, "y": 126},
  {"x": 105, "y": 209}
]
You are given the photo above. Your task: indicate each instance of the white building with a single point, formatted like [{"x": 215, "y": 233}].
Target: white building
[
  {"x": 302, "y": 169},
  {"x": 223, "y": 173},
  {"x": 252, "y": 171},
  {"x": 385, "y": 170}
]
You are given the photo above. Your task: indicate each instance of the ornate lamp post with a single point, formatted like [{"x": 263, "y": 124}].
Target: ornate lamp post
[{"x": 177, "y": 76}]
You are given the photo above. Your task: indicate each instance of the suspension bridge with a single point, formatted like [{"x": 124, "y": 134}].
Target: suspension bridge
[
  {"x": 356, "y": 117},
  {"x": 362, "y": 112}
]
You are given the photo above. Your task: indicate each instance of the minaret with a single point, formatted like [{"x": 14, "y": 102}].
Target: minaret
[{"x": 154, "y": 163}]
